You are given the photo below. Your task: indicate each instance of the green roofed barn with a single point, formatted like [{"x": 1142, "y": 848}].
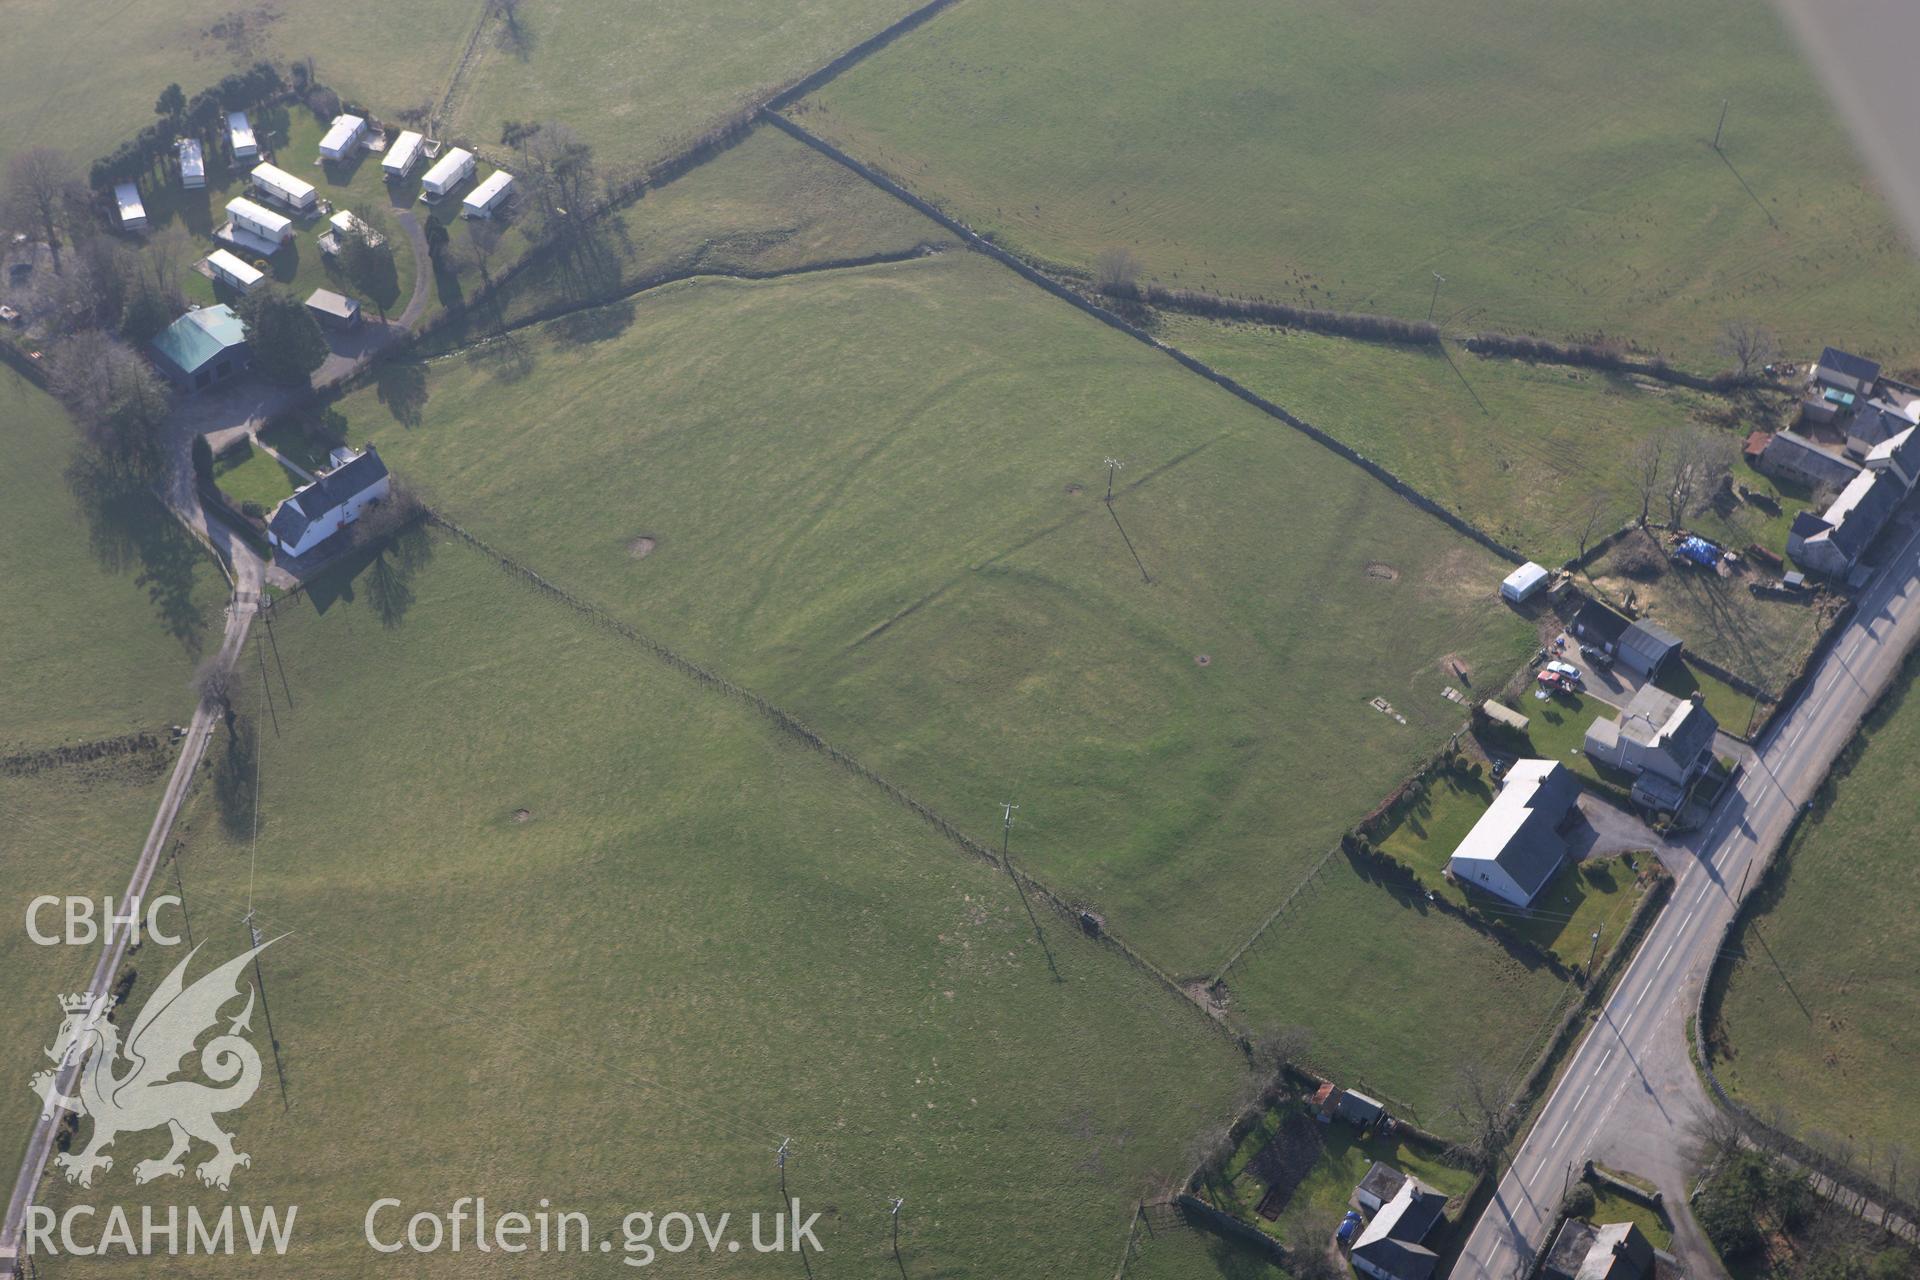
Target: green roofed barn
[{"x": 201, "y": 348}]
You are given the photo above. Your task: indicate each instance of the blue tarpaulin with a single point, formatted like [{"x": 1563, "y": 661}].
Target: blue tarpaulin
[{"x": 1700, "y": 551}]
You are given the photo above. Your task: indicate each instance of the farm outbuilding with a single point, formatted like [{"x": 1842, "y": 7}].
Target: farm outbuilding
[
  {"x": 343, "y": 136},
  {"x": 1517, "y": 846},
  {"x": 240, "y": 136},
  {"x": 277, "y": 184},
  {"x": 1523, "y": 582},
  {"x": 402, "y": 155},
  {"x": 488, "y": 196},
  {"x": 448, "y": 172},
  {"x": 333, "y": 310},
  {"x": 1646, "y": 647},
  {"x": 234, "y": 271},
  {"x": 1502, "y": 714},
  {"x": 193, "y": 164},
  {"x": 201, "y": 348},
  {"x": 133, "y": 214}
]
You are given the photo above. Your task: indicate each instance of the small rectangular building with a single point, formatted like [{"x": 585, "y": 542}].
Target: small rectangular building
[
  {"x": 133, "y": 214},
  {"x": 201, "y": 348},
  {"x": 1791, "y": 456},
  {"x": 278, "y": 185},
  {"x": 342, "y": 138},
  {"x": 1845, "y": 372},
  {"x": 1523, "y": 582},
  {"x": 240, "y": 136},
  {"x": 448, "y": 172},
  {"x": 1872, "y": 425},
  {"x": 1834, "y": 541},
  {"x": 402, "y": 155},
  {"x": 234, "y": 271},
  {"x": 343, "y": 226},
  {"x": 1645, "y": 648},
  {"x": 488, "y": 196},
  {"x": 193, "y": 164},
  {"x": 1502, "y": 714},
  {"x": 1516, "y": 847},
  {"x": 254, "y": 226},
  {"x": 333, "y": 310},
  {"x": 1392, "y": 1248}
]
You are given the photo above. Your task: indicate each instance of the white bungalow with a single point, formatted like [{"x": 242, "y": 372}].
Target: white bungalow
[
  {"x": 133, "y": 214},
  {"x": 193, "y": 164},
  {"x": 448, "y": 172},
  {"x": 277, "y": 184},
  {"x": 488, "y": 196},
  {"x": 254, "y": 227},
  {"x": 234, "y": 271},
  {"x": 240, "y": 136},
  {"x": 318, "y": 511},
  {"x": 402, "y": 155},
  {"x": 342, "y": 137}
]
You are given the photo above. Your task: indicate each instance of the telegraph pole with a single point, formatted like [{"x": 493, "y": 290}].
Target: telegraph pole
[
  {"x": 1006, "y": 830},
  {"x": 1723, "y": 122},
  {"x": 1113, "y": 465},
  {"x": 780, "y": 1157},
  {"x": 894, "y": 1213},
  {"x": 1743, "y": 881},
  {"x": 1593, "y": 955},
  {"x": 1433, "y": 302}
]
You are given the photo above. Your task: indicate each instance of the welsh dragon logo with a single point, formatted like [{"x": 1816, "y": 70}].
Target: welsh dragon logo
[{"x": 128, "y": 1088}]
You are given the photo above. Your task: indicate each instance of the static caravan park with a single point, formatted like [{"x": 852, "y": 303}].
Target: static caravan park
[
  {"x": 254, "y": 227},
  {"x": 448, "y": 172},
  {"x": 402, "y": 155},
  {"x": 233, "y": 270},
  {"x": 342, "y": 137},
  {"x": 488, "y": 196},
  {"x": 240, "y": 136},
  {"x": 193, "y": 164},
  {"x": 278, "y": 185}
]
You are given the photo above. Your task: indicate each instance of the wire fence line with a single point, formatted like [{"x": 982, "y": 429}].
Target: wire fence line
[{"x": 1075, "y": 914}]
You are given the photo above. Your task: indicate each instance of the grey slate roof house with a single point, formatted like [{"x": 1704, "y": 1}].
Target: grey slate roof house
[
  {"x": 1646, "y": 647},
  {"x": 1517, "y": 846},
  {"x": 1613, "y": 1251},
  {"x": 1791, "y": 456},
  {"x": 1874, "y": 423},
  {"x": 1390, "y": 1248},
  {"x": 1845, "y": 371},
  {"x": 1901, "y": 455},
  {"x": 1833, "y": 541},
  {"x": 1658, "y": 734},
  {"x": 317, "y": 511}
]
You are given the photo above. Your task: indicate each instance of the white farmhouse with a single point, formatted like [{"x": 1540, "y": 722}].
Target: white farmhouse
[{"x": 318, "y": 511}]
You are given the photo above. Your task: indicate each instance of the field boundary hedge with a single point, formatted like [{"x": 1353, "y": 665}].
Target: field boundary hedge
[
  {"x": 1033, "y": 275},
  {"x": 1219, "y": 306},
  {"x": 21, "y": 763},
  {"x": 1588, "y": 356},
  {"x": 1075, "y": 914}
]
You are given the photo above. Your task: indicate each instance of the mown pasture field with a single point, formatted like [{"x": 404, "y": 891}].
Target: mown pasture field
[
  {"x": 109, "y": 603},
  {"x": 1558, "y": 172},
  {"x": 1820, "y": 1020},
  {"x": 876, "y": 496},
  {"x": 598, "y": 932}
]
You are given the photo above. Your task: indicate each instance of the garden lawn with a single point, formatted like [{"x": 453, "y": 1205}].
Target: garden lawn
[
  {"x": 1610, "y": 1206},
  {"x": 1526, "y": 452},
  {"x": 1557, "y": 729},
  {"x": 555, "y": 840},
  {"x": 1593, "y": 895},
  {"x": 1322, "y": 1196},
  {"x": 639, "y": 84},
  {"x": 108, "y": 601},
  {"x": 1821, "y": 1016},
  {"x": 1400, "y": 999},
  {"x": 1559, "y": 174},
  {"x": 768, "y": 204},
  {"x": 874, "y": 496},
  {"x": 247, "y": 475}
]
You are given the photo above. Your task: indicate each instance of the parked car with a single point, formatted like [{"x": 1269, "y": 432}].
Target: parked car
[
  {"x": 1566, "y": 669},
  {"x": 1597, "y": 656}
]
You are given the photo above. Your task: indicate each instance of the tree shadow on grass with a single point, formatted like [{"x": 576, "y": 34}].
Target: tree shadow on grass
[
  {"x": 596, "y": 324},
  {"x": 382, "y": 569},
  {"x": 402, "y": 387},
  {"x": 506, "y": 357},
  {"x": 233, "y": 779},
  {"x": 131, "y": 531}
]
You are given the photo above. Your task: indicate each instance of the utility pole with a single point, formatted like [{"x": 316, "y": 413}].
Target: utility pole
[
  {"x": 1743, "y": 881},
  {"x": 1006, "y": 830},
  {"x": 780, "y": 1158},
  {"x": 894, "y": 1213},
  {"x": 1566, "y": 1183},
  {"x": 1433, "y": 302},
  {"x": 1593, "y": 955},
  {"x": 1723, "y": 123},
  {"x": 1113, "y": 465}
]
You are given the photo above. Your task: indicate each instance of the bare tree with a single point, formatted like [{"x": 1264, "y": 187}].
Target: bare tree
[
  {"x": 1487, "y": 1116},
  {"x": 1280, "y": 1048},
  {"x": 1748, "y": 345},
  {"x": 1590, "y": 530},
  {"x": 213, "y": 681},
  {"x": 1116, "y": 270},
  {"x": 1712, "y": 1135},
  {"x": 561, "y": 178},
  {"x": 43, "y": 192},
  {"x": 1698, "y": 462},
  {"x": 115, "y": 399},
  {"x": 1649, "y": 467},
  {"x": 483, "y": 242}
]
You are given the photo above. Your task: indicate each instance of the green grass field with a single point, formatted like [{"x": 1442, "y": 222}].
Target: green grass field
[
  {"x": 671, "y": 74},
  {"x": 1176, "y": 1251},
  {"x": 1399, "y": 998},
  {"x": 1523, "y": 451},
  {"x": 769, "y": 204},
  {"x": 1822, "y": 1015},
  {"x": 603, "y": 934},
  {"x": 874, "y": 496},
  {"x": 108, "y": 602},
  {"x": 1560, "y": 176},
  {"x": 247, "y": 474}
]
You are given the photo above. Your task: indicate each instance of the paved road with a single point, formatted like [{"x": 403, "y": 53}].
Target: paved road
[
  {"x": 1627, "y": 1095},
  {"x": 248, "y": 575}
]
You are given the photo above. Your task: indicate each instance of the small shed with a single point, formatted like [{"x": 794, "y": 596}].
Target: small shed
[
  {"x": 1523, "y": 582},
  {"x": 193, "y": 164},
  {"x": 240, "y": 136},
  {"x": 333, "y": 310},
  {"x": 488, "y": 196},
  {"x": 234, "y": 271},
  {"x": 1382, "y": 1183},
  {"x": 448, "y": 172},
  {"x": 1358, "y": 1109},
  {"x": 402, "y": 155},
  {"x": 133, "y": 214},
  {"x": 1502, "y": 714},
  {"x": 1646, "y": 648},
  {"x": 343, "y": 136}
]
